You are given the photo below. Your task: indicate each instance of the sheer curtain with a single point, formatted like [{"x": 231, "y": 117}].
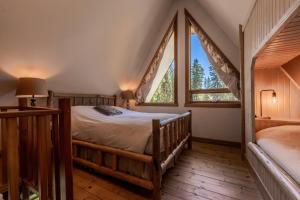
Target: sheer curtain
[
  {"x": 223, "y": 67},
  {"x": 146, "y": 83}
]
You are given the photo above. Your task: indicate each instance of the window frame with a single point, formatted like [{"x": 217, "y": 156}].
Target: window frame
[
  {"x": 188, "y": 91},
  {"x": 172, "y": 27}
]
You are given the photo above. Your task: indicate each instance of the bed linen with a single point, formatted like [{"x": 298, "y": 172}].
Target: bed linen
[
  {"x": 130, "y": 131},
  {"x": 282, "y": 144}
]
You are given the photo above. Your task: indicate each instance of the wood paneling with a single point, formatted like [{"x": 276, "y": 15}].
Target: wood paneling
[
  {"x": 287, "y": 105},
  {"x": 265, "y": 18},
  {"x": 283, "y": 47},
  {"x": 261, "y": 123},
  {"x": 292, "y": 70}
]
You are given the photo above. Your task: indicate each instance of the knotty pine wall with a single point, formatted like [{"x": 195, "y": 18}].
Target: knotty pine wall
[
  {"x": 287, "y": 104},
  {"x": 266, "y": 18}
]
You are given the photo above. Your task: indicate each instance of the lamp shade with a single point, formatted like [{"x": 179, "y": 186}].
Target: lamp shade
[
  {"x": 128, "y": 94},
  {"x": 31, "y": 87}
]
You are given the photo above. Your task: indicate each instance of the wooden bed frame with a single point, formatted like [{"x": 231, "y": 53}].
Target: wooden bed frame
[
  {"x": 176, "y": 131},
  {"x": 275, "y": 182}
]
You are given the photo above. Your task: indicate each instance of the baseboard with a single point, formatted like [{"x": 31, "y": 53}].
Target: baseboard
[{"x": 218, "y": 142}]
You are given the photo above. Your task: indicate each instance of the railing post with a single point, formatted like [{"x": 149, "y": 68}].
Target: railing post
[
  {"x": 56, "y": 178},
  {"x": 42, "y": 130},
  {"x": 4, "y": 150},
  {"x": 65, "y": 148},
  {"x": 190, "y": 142},
  {"x": 156, "y": 159},
  {"x": 13, "y": 159},
  {"x": 24, "y": 141}
]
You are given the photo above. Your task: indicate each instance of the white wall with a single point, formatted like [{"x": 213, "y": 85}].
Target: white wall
[
  {"x": 212, "y": 123},
  {"x": 101, "y": 46},
  {"x": 92, "y": 46}
]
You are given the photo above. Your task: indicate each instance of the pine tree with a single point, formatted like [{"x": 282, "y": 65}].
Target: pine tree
[
  {"x": 165, "y": 91},
  {"x": 207, "y": 83},
  {"x": 197, "y": 75},
  {"x": 215, "y": 82}
]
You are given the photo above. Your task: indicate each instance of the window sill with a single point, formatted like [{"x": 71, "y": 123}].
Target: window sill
[
  {"x": 214, "y": 104},
  {"x": 158, "y": 104}
]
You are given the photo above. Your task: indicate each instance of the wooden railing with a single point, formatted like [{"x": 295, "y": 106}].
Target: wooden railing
[{"x": 32, "y": 158}]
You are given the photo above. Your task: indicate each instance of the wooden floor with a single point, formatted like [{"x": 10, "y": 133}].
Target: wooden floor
[{"x": 207, "y": 172}]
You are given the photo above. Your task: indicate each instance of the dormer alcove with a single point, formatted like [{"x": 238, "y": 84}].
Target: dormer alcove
[{"x": 277, "y": 74}]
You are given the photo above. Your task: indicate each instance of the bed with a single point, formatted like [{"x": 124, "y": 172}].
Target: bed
[
  {"x": 275, "y": 158},
  {"x": 133, "y": 146}
]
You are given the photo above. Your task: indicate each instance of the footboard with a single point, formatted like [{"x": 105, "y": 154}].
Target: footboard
[{"x": 176, "y": 133}]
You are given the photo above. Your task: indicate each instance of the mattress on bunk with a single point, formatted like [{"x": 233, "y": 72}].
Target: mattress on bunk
[{"x": 282, "y": 144}]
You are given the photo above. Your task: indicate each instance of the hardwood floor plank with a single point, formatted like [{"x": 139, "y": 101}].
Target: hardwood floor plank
[
  {"x": 238, "y": 193},
  {"x": 180, "y": 193},
  {"x": 207, "y": 172},
  {"x": 198, "y": 190},
  {"x": 97, "y": 190},
  {"x": 81, "y": 194},
  {"x": 218, "y": 178},
  {"x": 109, "y": 185}
]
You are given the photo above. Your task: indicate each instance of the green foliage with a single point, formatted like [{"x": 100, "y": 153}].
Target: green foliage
[
  {"x": 212, "y": 81},
  {"x": 197, "y": 75},
  {"x": 165, "y": 91},
  {"x": 214, "y": 97}
]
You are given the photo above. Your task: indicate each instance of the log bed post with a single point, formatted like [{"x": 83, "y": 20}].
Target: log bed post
[
  {"x": 65, "y": 148},
  {"x": 156, "y": 169},
  {"x": 190, "y": 144}
]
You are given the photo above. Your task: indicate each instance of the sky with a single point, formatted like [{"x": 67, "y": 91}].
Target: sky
[{"x": 197, "y": 52}]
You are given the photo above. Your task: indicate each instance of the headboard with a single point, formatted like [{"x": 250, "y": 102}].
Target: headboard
[{"x": 81, "y": 99}]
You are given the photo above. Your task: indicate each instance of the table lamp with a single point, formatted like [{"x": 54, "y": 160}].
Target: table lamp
[
  {"x": 31, "y": 87},
  {"x": 127, "y": 95}
]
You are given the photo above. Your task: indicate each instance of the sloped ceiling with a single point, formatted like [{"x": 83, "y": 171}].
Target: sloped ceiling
[
  {"x": 90, "y": 45},
  {"x": 228, "y": 14}
]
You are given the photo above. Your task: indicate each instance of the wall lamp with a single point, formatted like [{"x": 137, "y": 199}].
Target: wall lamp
[{"x": 273, "y": 98}]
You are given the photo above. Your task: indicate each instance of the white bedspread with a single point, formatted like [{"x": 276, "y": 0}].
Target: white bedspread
[
  {"x": 129, "y": 131},
  {"x": 282, "y": 144}
]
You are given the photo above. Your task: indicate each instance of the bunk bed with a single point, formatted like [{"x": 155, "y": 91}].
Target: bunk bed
[
  {"x": 273, "y": 158},
  {"x": 169, "y": 135}
]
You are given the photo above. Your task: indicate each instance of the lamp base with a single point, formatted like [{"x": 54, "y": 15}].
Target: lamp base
[{"x": 33, "y": 102}]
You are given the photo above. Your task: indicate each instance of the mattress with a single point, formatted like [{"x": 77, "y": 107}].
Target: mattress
[
  {"x": 130, "y": 131},
  {"x": 282, "y": 144}
]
